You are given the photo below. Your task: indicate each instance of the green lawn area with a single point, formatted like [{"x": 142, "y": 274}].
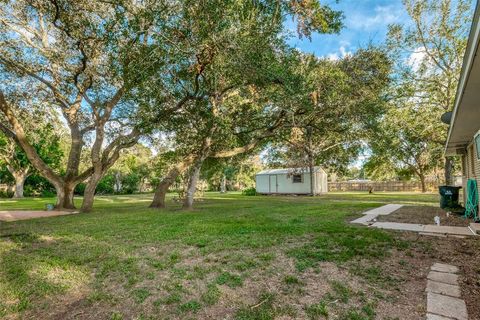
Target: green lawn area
[{"x": 234, "y": 256}]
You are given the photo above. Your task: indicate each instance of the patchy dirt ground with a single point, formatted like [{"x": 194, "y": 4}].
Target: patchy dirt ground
[
  {"x": 425, "y": 215},
  {"x": 390, "y": 288},
  {"x": 426, "y": 250},
  {"x": 295, "y": 261},
  {"x": 423, "y": 252}
]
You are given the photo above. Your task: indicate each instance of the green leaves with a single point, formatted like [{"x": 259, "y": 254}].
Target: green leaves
[
  {"x": 334, "y": 108},
  {"x": 428, "y": 57}
]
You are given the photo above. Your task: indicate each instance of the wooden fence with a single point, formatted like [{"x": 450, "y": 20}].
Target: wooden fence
[{"x": 381, "y": 186}]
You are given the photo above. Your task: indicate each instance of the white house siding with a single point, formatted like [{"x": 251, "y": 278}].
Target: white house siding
[{"x": 471, "y": 170}]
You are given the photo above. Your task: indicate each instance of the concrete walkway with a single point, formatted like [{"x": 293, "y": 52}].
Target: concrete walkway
[
  {"x": 25, "y": 215},
  {"x": 371, "y": 215},
  {"x": 369, "y": 218},
  {"x": 443, "y": 294}
]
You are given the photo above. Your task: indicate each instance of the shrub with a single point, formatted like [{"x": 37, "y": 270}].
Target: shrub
[
  {"x": 105, "y": 185},
  {"x": 249, "y": 192},
  {"x": 6, "y": 194},
  {"x": 48, "y": 193},
  {"x": 80, "y": 189},
  {"x": 130, "y": 183},
  {"x": 36, "y": 185}
]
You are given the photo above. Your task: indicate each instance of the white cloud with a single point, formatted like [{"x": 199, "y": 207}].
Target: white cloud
[
  {"x": 416, "y": 58},
  {"x": 342, "y": 52},
  {"x": 384, "y": 15}
]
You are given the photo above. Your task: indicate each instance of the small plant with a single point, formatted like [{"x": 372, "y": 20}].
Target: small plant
[
  {"x": 342, "y": 292},
  {"x": 192, "y": 306},
  {"x": 116, "y": 316},
  {"x": 172, "y": 298},
  {"x": 249, "y": 192},
  {"x": 315, "y": 311},
  {"x": 140, "y": 295},
  {"x": 211, "y": 296},
  {"x": 290, "y": 280},
  {"x": 231, "y": 280}
]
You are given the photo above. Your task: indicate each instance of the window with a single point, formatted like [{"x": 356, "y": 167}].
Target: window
[{"x": 297, "y": 178}]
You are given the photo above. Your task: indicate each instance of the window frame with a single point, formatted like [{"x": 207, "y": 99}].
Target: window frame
[
  {"x": 476, "y": 144},
  {"x": 297, "y": 175}
]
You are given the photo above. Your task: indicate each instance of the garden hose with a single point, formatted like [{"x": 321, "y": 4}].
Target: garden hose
[{"x": 471, "y": 210}]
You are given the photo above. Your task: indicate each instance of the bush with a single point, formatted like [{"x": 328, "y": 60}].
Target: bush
[
  {"x": 80, "y": 189},
  {"x": 36, "y": 185},
  {"x": 105, "y": 185},
  {"x": 249, "y": 192},
  {"x": 48, "y": 194},
  {"x": 6, "y": 194},
  {"x": 130, "y": 183}
]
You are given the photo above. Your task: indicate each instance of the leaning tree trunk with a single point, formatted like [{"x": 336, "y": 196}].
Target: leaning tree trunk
[
  {"x": 89, "y": 194},
  {"x": 162, "y": 188},
  {"x": 192, "y": 185},
  {"x": 195, "y": 170},
  {"x": 448, "y": 171}
]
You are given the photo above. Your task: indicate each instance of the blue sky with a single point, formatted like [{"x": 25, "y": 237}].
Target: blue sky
[{"x": 365, "y": 21}]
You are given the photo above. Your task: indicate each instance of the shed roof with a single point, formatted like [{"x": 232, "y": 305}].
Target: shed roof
[{"x": 289, "y": 170}]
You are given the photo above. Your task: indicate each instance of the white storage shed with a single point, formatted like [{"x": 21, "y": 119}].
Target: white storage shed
[{"x": 291, "y": 181}]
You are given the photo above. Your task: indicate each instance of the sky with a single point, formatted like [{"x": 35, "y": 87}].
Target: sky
[{"x": 365, "y": 21}]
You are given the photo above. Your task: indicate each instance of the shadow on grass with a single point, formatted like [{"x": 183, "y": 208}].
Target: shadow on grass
[{"x": 50, "y": 257}]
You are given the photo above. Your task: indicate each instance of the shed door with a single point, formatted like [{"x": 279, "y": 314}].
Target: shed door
[{"x": 273, "y": 184}]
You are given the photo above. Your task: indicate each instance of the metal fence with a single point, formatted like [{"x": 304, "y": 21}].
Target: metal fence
[{"x": 381, "y": 186}]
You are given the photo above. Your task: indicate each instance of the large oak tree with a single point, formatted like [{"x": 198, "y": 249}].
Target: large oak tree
[
  {"x": 233, "y": 55},
  {"x": 78, "y": 54}
]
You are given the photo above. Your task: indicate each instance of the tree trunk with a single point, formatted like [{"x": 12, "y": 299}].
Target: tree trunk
[
  {"x": 448, "y": 171},
  {"x": 20, "y": 176},
  {"x": 311, "y": 163},
  {"x": 19, "y": 182},
  {"x": 192, "y": 185},
  {"x": 311, "y": 168},
  {"x": 422, "y": 181},
  {"x": 89, "y": 194},
  {"x": 65, "y": 196},
  {"x": 223, "y": 184},
  {"x": 118, "y": 182},
  {"x": 162, "y": 188}
]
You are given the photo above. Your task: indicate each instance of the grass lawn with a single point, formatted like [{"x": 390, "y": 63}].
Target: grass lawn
[{"x": 234, "y": 257}]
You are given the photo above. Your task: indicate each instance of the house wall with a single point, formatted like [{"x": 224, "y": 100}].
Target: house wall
[{"x": 471, "y": 168}]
